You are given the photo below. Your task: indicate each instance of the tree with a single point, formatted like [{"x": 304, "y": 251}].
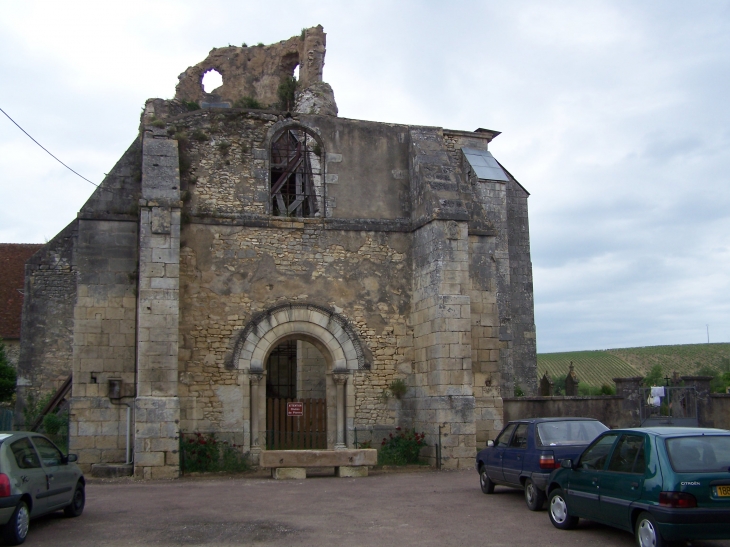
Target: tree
[
  {"x": 7, "y": 376},
  {"x": 655, "y": 376}
]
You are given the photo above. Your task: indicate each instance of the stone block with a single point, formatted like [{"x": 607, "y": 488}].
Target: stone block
[
  {"x": 347, "y": 471},
  {"x": 149, "y": 459},
  {"x": 282, "y": 473},
  {"x": 318, "y": 458}
]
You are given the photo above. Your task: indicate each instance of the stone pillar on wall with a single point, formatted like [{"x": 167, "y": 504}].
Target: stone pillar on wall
[
  {"x": 443, "y": 394},
  {"x": 258, "y": 390},
  {"x": 630, "y": 390},
  {"x": 340, "y": 379},
  {"x": 157, "y": 407},
  {"x": 704, "y": 402}
]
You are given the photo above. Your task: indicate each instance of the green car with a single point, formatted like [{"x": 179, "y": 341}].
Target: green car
[
  {"x": 662, "y": 484},
  {"x": 35, "y": 479}
]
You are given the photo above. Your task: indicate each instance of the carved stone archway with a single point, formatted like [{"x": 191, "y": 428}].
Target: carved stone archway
[{"x": 333, "y": 336}]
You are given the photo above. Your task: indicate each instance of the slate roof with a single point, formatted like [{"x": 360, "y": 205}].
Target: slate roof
[{"x": 12, "y": 278}]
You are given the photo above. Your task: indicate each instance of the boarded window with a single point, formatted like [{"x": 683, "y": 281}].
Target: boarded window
[{"x": 296, "y": 177}]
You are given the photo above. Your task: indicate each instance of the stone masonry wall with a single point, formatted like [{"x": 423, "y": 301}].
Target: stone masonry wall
[
  {"x": 230, "y": 273},
  {"x": 104, "y": 338},
  {"x": 46, "y": 349}
]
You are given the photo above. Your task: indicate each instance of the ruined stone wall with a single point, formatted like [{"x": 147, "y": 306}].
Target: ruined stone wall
[
  {"x": 230, "y": 273},
  {"x": 256, "y": 71},
  {"x": 46, "y": 348}
]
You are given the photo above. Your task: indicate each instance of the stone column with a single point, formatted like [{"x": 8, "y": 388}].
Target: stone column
[
  {"x": 340, "y": 379},
  {"x": 157, "y": 407},
  {"x": 256, "y": 378}
]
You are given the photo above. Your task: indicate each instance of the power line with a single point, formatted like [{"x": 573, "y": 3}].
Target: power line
[
  {"x": 110, "y": 190},
  {"x": 46, "y": 150}
]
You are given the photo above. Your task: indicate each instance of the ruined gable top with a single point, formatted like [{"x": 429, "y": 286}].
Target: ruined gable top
[{"x": 254, "y": 74}]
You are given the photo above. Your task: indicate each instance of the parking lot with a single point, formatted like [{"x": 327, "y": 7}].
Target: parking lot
[{"x": 412, "y": 508}]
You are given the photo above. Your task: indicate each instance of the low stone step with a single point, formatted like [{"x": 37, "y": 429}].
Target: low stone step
[{"x": 111, "y": 470}]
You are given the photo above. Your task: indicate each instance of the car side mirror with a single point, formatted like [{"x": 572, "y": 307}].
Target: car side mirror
[
  {"x": 70, "y": 458},
  {"x": 490, "y": 443},
  {"x": 566, "y": 464}
]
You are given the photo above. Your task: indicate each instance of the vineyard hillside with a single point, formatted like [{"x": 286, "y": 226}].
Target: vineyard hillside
[
  {"x": 593, "y": 368},
  {"x": 599, "y": 367}
]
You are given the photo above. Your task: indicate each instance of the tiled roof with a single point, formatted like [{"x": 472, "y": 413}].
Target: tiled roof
[{"x": 12, "y": 278}]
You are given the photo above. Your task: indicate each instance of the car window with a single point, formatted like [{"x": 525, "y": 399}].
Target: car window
[
  {"x": 596, "y": 454},
  {"x": 519, "y": 440},
  {"x": 700, "y": 454},
  {"x": 503, "y": 439},
  {"x": 50, "y": 455},
  {"x": 628, "y": 457},
  {"x": 25, "y": 455},
  {"x": 568, "y": 432}
]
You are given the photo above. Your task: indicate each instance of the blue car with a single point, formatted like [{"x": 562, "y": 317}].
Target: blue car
[
  {"x": 526, "y": 451},
  {"x": 662, "y": 484}
]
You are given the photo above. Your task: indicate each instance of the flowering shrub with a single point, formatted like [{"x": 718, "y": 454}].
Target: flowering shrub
[
  {"x": 205, "y": 454},
  {"x": 402, "y": 448}
]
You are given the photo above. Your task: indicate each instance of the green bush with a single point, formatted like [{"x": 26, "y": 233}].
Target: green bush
[
  {"x": 34, "y": 406},
  {"x": 205, "y": 454},
  {"x": 655, "y": 376},
  {"x": 398, "y": 388},
  {"x": 287, "y": 89},
  {"x": 247, "y": 102},
  {"x": 191, "y": 105},
  {"x": 402, "y": 448}
]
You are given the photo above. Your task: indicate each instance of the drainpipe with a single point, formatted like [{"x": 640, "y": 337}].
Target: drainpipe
[{"x": 115, "y": 394}]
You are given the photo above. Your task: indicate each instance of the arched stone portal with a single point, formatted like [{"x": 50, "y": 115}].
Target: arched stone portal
[{"x": 335, "y": 339}]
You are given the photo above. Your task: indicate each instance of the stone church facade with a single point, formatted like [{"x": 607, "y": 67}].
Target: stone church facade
[{"x": 235, "y": 255}]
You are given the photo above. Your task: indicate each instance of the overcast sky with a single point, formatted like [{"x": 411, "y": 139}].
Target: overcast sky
[{"x": 615, "y": 116}]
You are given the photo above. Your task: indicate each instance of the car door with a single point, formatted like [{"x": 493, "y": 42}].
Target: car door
[
  {"x": 514, "y": 455},
  {"x": 30, "y": 477},
  {"x": 623, "y": 480},
  {"x": 60, "y": 478},
  {"x": 494, "y": 458},
  {"x": 584, "y": 489}
]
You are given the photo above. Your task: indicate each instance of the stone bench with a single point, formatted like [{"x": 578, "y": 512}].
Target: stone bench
[{"x": 293, "y": 464}]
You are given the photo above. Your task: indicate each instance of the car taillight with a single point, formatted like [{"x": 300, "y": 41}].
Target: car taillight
[
  {"x": 4, "y": 485},
  {"x": 547, "y": 461},
  {"x": 681, "y": 500}
]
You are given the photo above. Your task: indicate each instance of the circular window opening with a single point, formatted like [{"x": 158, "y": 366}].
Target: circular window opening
[{"x": 212, "y": 80}]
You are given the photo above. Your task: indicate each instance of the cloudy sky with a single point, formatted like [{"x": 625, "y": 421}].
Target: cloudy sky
[{"x": 615, "y": 116}]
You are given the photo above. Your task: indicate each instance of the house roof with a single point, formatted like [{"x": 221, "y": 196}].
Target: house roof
[{"x": 12, "y": 278}]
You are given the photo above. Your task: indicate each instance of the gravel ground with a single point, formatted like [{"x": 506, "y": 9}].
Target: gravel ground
[{"x": 416, "y": 507}]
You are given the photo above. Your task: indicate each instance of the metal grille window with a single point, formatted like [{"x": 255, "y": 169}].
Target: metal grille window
[
  {"x": 281, "y": 375},
  {"x": 296, "y": 175}
]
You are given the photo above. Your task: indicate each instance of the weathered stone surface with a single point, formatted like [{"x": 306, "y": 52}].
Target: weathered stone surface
[
  {"x": 111, "y": 470},
  {"x": 318, "y": 458},
  {"x": 257, "y": 72},
  {"x": 349, "y": 472},
  {"x": 283, "y": 473}
]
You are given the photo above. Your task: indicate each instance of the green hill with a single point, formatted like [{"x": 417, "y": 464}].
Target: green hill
[{"x": 596, "y": 368}]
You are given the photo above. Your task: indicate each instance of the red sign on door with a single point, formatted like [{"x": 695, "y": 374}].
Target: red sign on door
[{"x": 295, "y": 409}]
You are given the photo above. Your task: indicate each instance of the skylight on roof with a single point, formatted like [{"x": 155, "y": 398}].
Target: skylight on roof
[{"x": 484, "y": 165}]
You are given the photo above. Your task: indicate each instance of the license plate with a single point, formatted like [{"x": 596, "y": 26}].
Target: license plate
[{"x": 723, "y": 491}]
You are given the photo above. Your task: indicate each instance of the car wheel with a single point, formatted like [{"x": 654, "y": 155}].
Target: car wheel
[
  {"x": 16, "y": 530},
  {"x": 76, "y": 507},
  {"x": 647, "y": 534},
  {"x": 484, "y": 481},
  {"x": 534, "y": 497},
  {"x": 558, "y": 511}
]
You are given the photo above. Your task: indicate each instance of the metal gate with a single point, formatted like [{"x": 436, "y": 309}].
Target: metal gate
[
  {"x": 678, "y": 407},
  {"x": 308, "y": 431}
]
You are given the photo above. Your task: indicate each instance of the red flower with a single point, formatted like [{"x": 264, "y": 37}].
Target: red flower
[{"x": 397, "y": 428}]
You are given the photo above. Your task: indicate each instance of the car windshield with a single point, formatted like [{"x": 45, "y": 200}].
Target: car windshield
[
  {"x": 700, "y": 454},
  {"x": 568, "y": 432}
]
